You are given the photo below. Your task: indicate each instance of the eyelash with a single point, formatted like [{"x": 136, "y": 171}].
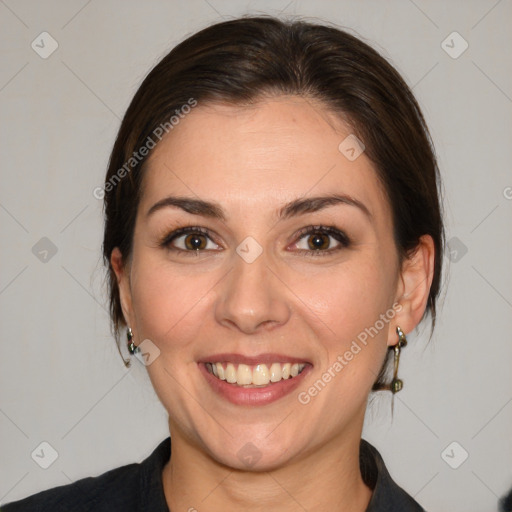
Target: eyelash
[{"x": 338, "y": 235}]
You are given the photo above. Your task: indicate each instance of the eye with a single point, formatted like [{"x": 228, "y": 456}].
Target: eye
[
  {"x": 190, "y": 239},
  {"x": 313, "y": 240},
  {"x": 318, "y": 240}
]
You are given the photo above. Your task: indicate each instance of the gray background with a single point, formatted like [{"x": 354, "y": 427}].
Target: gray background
[{"x": 62, "y": 380}]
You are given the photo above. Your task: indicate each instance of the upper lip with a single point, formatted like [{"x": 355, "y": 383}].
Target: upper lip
[{"x": 267, "y": 358}]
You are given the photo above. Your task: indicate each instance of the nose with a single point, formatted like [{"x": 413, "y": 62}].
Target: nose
[{"x": 252, "y": 297}]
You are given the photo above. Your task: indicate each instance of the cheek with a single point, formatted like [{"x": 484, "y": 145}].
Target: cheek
[
  {"x": 166, "y": 302},
  {"x": 352, "y": 309},
  {"x": 350, "y": 296}
]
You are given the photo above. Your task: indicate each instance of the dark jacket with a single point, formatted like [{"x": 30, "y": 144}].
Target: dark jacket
[{"x": 138, "y": 487}]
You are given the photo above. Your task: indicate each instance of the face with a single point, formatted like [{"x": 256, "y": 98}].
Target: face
[{"x": 264, "y": 280}]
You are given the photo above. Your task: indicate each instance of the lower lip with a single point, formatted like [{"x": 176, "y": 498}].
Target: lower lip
[{"x": 239, "y": 395}]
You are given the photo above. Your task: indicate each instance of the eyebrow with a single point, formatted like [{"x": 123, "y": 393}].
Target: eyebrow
[{"x": 294, "y": 208}]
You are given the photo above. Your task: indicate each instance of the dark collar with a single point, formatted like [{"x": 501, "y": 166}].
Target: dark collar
[{"x": 387, "y": 496}]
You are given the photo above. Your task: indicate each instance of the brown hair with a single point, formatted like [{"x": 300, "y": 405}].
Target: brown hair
[{"x": 241, "y": 60}]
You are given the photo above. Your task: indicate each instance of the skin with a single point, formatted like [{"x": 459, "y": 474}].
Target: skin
[{"x": 252, "y": 161}]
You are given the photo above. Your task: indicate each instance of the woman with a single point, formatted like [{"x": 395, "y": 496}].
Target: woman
[{"x": 272, "y": 233}]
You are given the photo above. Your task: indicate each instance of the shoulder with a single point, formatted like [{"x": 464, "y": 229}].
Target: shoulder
[
  {"x": 387, "y": 495},
  {"x": 85, "y": 494},
  {"x": 128, "y": 488}
]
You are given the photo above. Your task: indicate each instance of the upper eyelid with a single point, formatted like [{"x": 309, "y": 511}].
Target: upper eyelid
[
  {"x": 328, "y": 230},
  {"x": 319, "y": 227},
  {"x": 186, "y": 230}
]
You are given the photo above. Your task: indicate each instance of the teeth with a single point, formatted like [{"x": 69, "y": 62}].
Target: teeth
[
  {"x": 276, "y": 373},
  {"x": 220, "y": 371},
  {"x": 244, "y": 374},
  {"x": 230, "y": 374},
  {"x": 257, "y": 375},
  {"x": 260, "y": 375}
]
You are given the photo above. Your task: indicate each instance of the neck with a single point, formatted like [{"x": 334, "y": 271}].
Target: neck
[{"x": 327, "y": 478}]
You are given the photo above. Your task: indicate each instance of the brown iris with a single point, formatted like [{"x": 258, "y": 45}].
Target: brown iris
[
  {"x": 318, "y": 241},
  {"x": 195, "y": 241}
]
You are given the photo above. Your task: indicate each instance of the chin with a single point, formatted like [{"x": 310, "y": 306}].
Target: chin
[{"x": 255, "y": 453}]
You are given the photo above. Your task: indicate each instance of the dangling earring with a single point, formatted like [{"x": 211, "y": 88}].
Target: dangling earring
[
  {"x": 132, "y": 348},
  {"x": 397, "y": 384}
]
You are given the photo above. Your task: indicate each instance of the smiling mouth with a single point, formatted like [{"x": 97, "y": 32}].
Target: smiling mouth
[{"x": 254, "y": 376}]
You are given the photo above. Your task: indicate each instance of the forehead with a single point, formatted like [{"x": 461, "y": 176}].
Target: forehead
[{"x": 260, "y": 156}]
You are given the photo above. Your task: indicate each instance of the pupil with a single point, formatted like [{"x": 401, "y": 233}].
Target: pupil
[{"x": 319, "y": 241}]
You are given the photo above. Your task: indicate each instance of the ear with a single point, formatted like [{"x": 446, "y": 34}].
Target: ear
[
  {"x": 122, "y": 271},
  {"x": 413, "y": 287}
]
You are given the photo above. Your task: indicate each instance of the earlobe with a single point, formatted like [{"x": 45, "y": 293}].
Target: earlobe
[
  {"x": 121, "y": 271},
  {"x": 414, "y": 285}
]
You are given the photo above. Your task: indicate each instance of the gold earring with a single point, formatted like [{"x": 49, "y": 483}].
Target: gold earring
[
  {"x": 397, "y": 384},
  {"x": 132, "y": 348}
]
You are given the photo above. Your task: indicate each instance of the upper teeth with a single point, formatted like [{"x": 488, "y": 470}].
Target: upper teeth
[{"x": 257, "y": 375}]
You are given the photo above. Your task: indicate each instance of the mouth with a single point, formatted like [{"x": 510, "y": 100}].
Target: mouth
[
  {"x": 256, "y": 380},
  {"x": 254, "y": 376}
]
